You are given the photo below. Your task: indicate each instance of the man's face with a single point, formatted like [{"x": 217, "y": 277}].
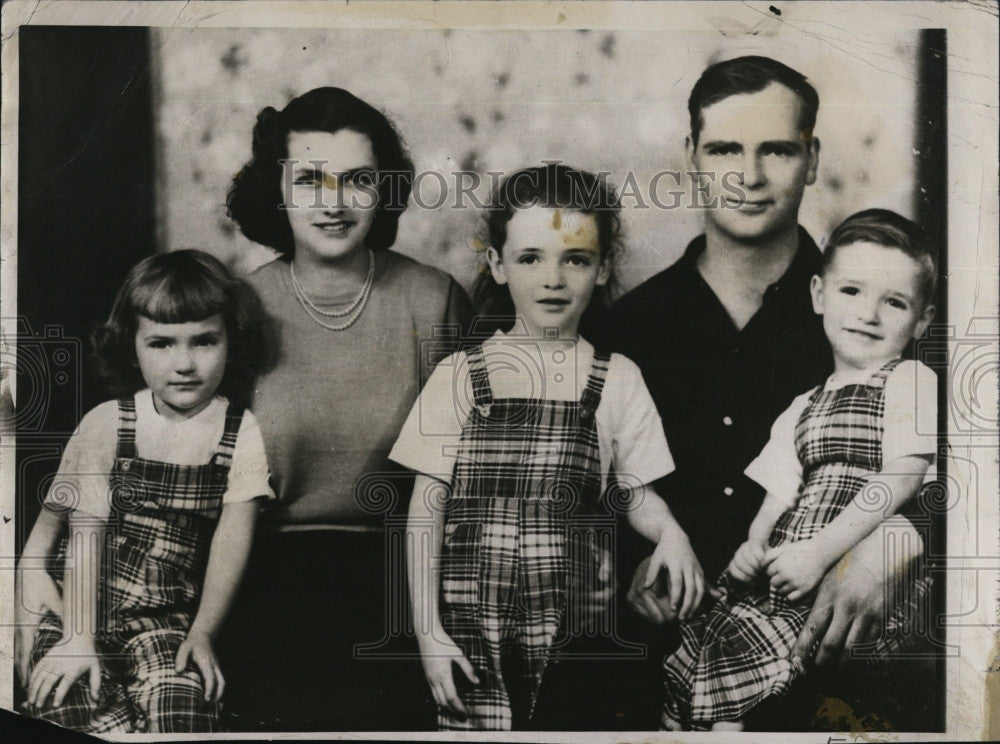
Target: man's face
[{"x": 755, "y": 138}]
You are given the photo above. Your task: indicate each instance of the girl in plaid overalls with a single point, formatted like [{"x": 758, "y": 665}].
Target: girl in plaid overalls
[
  {"x": 513, "y": 440},
  {"x": 160, "y": 491},
  {"x": 842, "y": 459}
]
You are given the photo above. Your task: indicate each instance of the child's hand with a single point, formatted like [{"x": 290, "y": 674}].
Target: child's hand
[
  {"x": 747, "y": 561},
  {"x": 61, "y": 667},
  {"x": 795, "y": 569},
  {"x": 36, "y": 593},
  {"x": 439, "y": 652},
  {"x": 687, "y": 583},
  {"x": 197, "y": 647}
]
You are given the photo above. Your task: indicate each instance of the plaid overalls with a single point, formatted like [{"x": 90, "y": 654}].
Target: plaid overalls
[
  {"x": 516, "y": 549},
  {"x": 163, "y": 517},
  {"x": 737, "y": 654}
]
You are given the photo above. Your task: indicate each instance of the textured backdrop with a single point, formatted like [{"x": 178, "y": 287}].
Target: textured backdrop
[{"x": 499, "y": 100}]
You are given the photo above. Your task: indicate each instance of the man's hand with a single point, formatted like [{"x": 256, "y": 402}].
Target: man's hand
[{"x": 850, "y": 604}]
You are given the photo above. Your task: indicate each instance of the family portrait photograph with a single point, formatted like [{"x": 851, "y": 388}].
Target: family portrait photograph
[{"x": 500, "y": 371}]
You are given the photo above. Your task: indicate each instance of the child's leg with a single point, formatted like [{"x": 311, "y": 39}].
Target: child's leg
[
  {"x": 679, "y": 669},
  {"x": 170, "y": 702},
  {"x": 727, "y": 726}
]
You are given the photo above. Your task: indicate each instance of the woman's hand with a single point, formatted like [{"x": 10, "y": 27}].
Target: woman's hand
[
  {"x": 795, "y": 569},
  {"x": 747, "y": 561},
  {"x": 438, "y": 653},
  {"x": 674, "y": 555},
  {"x": 61, "y": 667},
  {"x": 197, "y": 647},
  {"x": 36, "y": 594}
]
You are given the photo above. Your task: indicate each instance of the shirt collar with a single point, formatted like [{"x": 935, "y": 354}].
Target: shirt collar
[{"x": 805, "y": 263}]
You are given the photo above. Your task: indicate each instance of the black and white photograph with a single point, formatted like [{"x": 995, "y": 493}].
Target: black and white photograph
[{"x": 564, "y": 371}]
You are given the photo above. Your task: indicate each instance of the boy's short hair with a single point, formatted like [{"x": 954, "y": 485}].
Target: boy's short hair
[
  {"x": 887, "y": 228},
  {"x": 749, "y": 74}
]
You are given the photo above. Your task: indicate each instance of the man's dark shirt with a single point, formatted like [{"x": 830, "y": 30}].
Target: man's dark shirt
[{"x": 719, "y": 389}]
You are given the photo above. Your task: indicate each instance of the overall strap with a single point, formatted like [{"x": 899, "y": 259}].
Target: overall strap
[
  {"x": 224, "y": 451},
  {"x": 591, "y": 397},
  {"x": 878, "y": 379},
  {"x": 482, "y": 395},
  {"x": 126, "y": 429}
]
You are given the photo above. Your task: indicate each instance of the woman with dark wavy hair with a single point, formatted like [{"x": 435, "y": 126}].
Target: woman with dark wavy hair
[{"x": 326, "y": 186}]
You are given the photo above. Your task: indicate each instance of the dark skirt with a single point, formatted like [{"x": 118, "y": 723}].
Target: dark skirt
[{"x": 319, "y": 639}]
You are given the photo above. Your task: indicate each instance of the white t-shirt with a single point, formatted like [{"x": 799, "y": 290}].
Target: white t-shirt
[
  {"x": 82, "y": 482},
  {"x": 908, "y": 429},
  {"x": 629, "y": 431}
]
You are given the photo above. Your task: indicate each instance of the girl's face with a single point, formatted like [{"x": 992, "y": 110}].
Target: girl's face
[
  {"x": 329, "y": 193},
  {"x": 182, "y": 363},
  {"x": 551, "y": 263},
  {"x": 871, "y": 303}
]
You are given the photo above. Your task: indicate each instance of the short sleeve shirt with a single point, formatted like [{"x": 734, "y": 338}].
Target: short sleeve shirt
[
  {"x": 82, "y": 482},
  {"x": 629, "y": 431},
  {"x": 910, "y": 427}
]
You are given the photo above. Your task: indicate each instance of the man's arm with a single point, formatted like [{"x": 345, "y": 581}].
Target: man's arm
[{"x": 850, "y": 603}]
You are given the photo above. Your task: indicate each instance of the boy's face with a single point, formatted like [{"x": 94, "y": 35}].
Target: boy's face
[
  {"x": 759, "y": 160},
  {"x": 872, "y": 305}
]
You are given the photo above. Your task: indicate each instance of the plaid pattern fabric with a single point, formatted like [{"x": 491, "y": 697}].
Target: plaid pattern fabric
[
  {"x": 526, "y": 471},
  {"x": 737, "y": 654},
  {"x": 162, "y": 520},
  {"x": 140, "y": 691}
]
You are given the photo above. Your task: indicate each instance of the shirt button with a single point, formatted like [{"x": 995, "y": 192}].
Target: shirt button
[
  {"x": 728, "y": 490},
  {"x": 727, "y": 421}
]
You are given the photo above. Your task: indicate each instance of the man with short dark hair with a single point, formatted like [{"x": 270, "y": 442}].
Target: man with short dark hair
[{"x": 727, "y": 337}]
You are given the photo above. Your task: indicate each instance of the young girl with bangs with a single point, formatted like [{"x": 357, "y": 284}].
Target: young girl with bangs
[{"x": 159, "y": 492}]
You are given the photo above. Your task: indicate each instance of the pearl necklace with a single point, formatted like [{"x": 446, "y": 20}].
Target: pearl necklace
[{"x": 354, "y": 310}]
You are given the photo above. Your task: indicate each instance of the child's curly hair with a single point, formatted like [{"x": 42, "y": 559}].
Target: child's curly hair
[
  {"x": 181, "y": 287},
  {"x": 254, "y": 197},
  {"x": 551, "y": 185}
]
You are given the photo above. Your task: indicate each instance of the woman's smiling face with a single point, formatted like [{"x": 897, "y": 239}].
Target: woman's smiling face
[
  {"x": 328, "y": 192},
  {"x": 550, "y": 262}
]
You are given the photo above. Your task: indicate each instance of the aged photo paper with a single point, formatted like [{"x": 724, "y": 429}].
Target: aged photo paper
[{"x": 124, "y": 124}]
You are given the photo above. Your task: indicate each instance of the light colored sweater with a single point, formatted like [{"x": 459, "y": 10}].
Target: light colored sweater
[{"x": 333, "y": 402}]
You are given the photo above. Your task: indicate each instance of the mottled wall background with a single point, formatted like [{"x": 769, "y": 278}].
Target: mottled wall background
[{"x": 499, "y": 100}]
